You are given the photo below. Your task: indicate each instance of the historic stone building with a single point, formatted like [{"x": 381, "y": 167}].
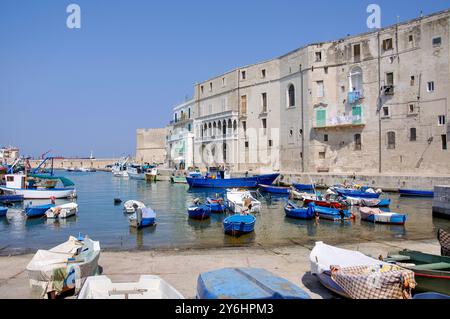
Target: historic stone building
[
  {"x": 371, "y": 103},
  {"x": 151, "y": 145}
]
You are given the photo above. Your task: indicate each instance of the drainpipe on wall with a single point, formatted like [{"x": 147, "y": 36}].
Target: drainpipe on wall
[
  {"x": 303, "y": 121},
  {"x": 379, "y": 104}
]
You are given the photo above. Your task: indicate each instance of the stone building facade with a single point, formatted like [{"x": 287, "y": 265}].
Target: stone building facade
[
  {"x": 372, "y": 103},
  {"x": 151, "y": 145}
]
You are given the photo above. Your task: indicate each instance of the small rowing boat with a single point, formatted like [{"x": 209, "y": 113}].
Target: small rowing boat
[
  {"x": 415, "y": 193},
  {"x": 37, "y": 211},
  {"x": 294, "y": 211},
  {"x": 376, "y": 215},
  {"x": 274, "y": 189},
  {"x": 178, "y": 180},
  {"x": 62, "y": 211},
  {"x": 303, "y": 187},
  {"x": 216, "y": 205},
  {"x": 356, "y": 193},
  {"x": 3, "y": 211},
  {"x": 143, "y": 217},
  {"x": 323, "y": 202},
  {"x": 237, "y": 225},
  {"x": 131, "y": 206},
  {"x": 333, "y": 213},
  {"x": 199, "y": 212},
  {"x": 239, "y": 201}
]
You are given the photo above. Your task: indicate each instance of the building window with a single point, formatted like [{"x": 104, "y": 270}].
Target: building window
[
  {"x": 224, "y": 81},
  {"x": 385, "y": 111},
  {"x": 387, "y": 44},
  {"x": 441, "y": 120},
  {"x": 210, "y": 86},
  {"x": 357, "y": 52},
  {"x": 201, "y": 89},
  {"x": 291, "y": 96},
  {"x": 411, "y": 38},
  {"x": 244, "y": 104},
  {"x": 325, "y": 137},
  {"x": 357, "y": 139},
  {"x": 291, "y": 132},
  {"x": 430, "y": 86},
  {"x": 437, "y": 41},
  {"x": 263, "y": 73},
  {"x": 318, "y": 56},
  {"x": 243, "y": 75},
  {"x": 244, "y": 126},
  {"x": 246, "y": 144},
  {"x": 412, "y": 134},
  {"x": 390, "y": 79},
  {"x": 322, "y": 155},
  {"x": 444, "y": 141},
  {"x": 264, "y": 126},
  {"x": 264, "y": 102},
  {"x": 413, "y": 80},
  {"x": 325, "y": 69},
  {"x": 270, "y": 143},
  {"x": 321, "y": 118},
  {"x": 411, "y": 108},
  {"x": 320, "y": 89},
  {"x": 391, "y": 140}
]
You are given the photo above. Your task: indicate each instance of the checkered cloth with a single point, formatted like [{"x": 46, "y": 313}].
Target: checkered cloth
[
  {"x": 444, "y": 240},
  {"x": 373, "y": 282}
]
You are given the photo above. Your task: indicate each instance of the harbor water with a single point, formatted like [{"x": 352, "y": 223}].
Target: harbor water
[{"x": 99, "y": 218}]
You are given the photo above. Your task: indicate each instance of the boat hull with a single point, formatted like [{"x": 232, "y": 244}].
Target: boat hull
[
  {"x": 3, "y": 211},
  {"x": 243, "y": 182},
  {"x": 321, "y": 203},
  {"x": 11, "y": 198},
  {"x": 332, "y": 214},
  {"x": 303, "y": 187},
  {"x": 41, "y": 194},
  {"x": 355, "y": 193},
  {"x": 178, "y": 180},
  {"x": 415, "y": 193},
  {"x": 37, "y": 211},
  {"x": 391, "y": 219},
  {"x": 145, "y": 222},
  {"x": 294, "y": 212},
  {"x": 215, "y": 206},
  {"x": 199, "y": 212},
  {"x": 136, "y": 176},
  {"x": 274, "y": 189},
  {"x": 237, "y": 225}
]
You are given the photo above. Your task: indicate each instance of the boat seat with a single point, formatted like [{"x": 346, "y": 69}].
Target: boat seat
[{"x": 435, "y": 266}]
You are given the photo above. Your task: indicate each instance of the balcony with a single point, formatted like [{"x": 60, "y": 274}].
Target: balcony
[
  {"x": 217, "y": 138},
  {"x": 354, "y": 97},
  {"x": 346, "y": 121}
]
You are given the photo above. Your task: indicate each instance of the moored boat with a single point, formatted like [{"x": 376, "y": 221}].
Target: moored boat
[
  {"x": 148, "y": 287},
  {"x": 303, "y": 187},
  {"x": 237, "y": 225},
  {"x": 11, "y": 198},
  {"x": 152, "y": 175},
  {"x": 199, "y": 212},
  {"x": 3, "y": 211},
  {"x": 444, "y": 241},
  {"x": 333, "y": 213},
  {"x": 216, "y": 205},
  {"x": 37, "y": 211},
  {"x": 119, "y": 169},
  {"x": 294, "y": 211},
  {"x": 415, "y": 193},
  {"x": 246, "y": 283},
  {"x": 323, "y": 202},
  {"x": 356, "y": 193},
  {"x": 368, "y": 202},
  {"x": 136, "y": 172},
  {"x": 178, "y": 180},
  {"x": 242, "y": 182},
  {"x": 64, "y": 266},
  {"x": 239, "y": 201},
  {"x": 62, "y": 211},
  {"x": 432, "y": 272},
  {"x": 143, "y": 217},
  {"x": 376, "y": 215},
  {"x": 272, "y": 189},
  {"x": 131, "y": 206}
]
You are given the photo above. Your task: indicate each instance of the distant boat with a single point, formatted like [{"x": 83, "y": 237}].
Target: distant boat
[
  {"x": 237, "y": 225},
  {"x": 144, "y": 217},
  {"x": 294, "y": 211},
  {"x": 148, "y": 287},
  {"x": 368, "y": 202},
  {"x": 303, "y": 187},
  {"x": 432, "y": 272},
  {"x": 11, "y": 198},
  {"x": 131, "y": 206},
  {"x": 3, "y": 211},
  {"x": 242, "y": 182},
  {"x": 37, "y": 211},
  {"x": 87, "y": 170},
  {"x": 239, "y": 201},
  {"x": 246, "y": 283},
  {"x": 62, "y": 211},
  {"x": 178, "y": 180},
  {"x": 320, "y": 201},
  {"x": 375, "y": 215},
  {"x": 136, "y": 172},
  {"x": 272, "y": 189},
  {"x": 415, "y": 193},
  {"x": 199, "y": 212},
  {"x": 333, "y": 214},
  {"x": 356, "y": 193},
  {"x": 119, "y": 169},
  {"x": 152, "y": 176}
]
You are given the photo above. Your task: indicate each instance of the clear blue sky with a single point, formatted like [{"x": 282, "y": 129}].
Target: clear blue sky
[{"x": 73, "y": 91}]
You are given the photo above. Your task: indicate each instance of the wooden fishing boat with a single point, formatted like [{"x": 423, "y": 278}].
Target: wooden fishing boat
[
  {"x": 242, "y": 182},
  {"x": 303, "y": 187},
  {"x": 239, "y": 201},
  {"x": 432, "y": 272},
  {"x": 37, "y": 211},
  {"x": 375, "y": 215},
  {"x": 320, "y": 201},
  {"x": 431, "y": 295},
  {"x": 136, "y": 172},
  {"x": 199, "y": 212},
  {"x": 131, "y": 206},
  {"x": 11, "y": 198},
  {"x": 216, "y": 205},
  {"x": 356, "y": 193},
  {"x": 294, "y": 211},
  {"x": 178, "y": 180},
  {"x": 274, "y": 189},
  {"x": 368, "y": 202},
  {"x": 415, "y": 193},
  {"x": 3, "y": 211},
  {"x": 237, "y": 225},
  {"x": 444, "y": 241},
  {"x": 143, "y": 217},
  {"x": 62, "y": 211},
  {"x": 246, "y": 283},
  {"x": 148, "y": 287},
  {"x": 333, "y": 213}
]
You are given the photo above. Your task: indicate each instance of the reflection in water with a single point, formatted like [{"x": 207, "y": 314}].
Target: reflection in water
[{"x": 102, "y": 220}]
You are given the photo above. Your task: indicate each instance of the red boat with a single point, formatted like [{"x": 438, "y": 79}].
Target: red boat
[{"x": 324, "y": 203}]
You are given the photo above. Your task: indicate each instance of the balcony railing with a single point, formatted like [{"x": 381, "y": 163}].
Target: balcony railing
[
  {"x": 218, "y": 137},
  {"x": 354, "y": 97},
  {"x": 340, "y": 121}
]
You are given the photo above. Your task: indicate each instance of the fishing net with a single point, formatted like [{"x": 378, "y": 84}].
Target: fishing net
[
  {"x": 375, "y": 282},
  {"x": 444, "y": 240}
]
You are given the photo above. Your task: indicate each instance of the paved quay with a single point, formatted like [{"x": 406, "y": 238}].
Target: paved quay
[{"x": 181, "y": 267}]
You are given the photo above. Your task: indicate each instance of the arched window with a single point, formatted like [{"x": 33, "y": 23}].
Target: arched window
[
  {"x": 205, "y": 129},
  {"x": 219, "y": 127},
  {"x": 234, "y": 126},
  {"x": 230, "y": 124},
  {"x": 291, "y": 95},
  {"x": 356, "y": 80},
  {"x": 391, "y": 140},
  {"x": 209, "y": 129},
  {"x": 214, "y": 128}
]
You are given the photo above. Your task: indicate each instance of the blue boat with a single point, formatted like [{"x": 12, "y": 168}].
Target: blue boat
[
  {"x": 415, "y": 193},
  {"x": 144, "y": 217},
  {"x": 242, "y": 182},
  {"x": 216, "y": 205},
  {"x": 293, "y": 211},
  {"x": 275, "y": 189},
  {"x": 375, "y": 215},
  {"x": 431, "y": 295},
  {"x": 3, "y": 211},
  {"x": 11, "y": 198},
  {"x": 333, "y": 213},
  {"x": 246, "y": 283},
  {"x": 303, "y": 187},
  {"x": 37, "y": 211},
  {"x": 200, "y": 212},
  {"x": 356, "y": 193},
  {"x": 236, "y": 225}
]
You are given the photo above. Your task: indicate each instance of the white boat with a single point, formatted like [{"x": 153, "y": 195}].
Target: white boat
[
  {"x": 16, "y": 185},
  {"x": 240, "y": 201},
  {"x": 63, "y": 266},
  {"x": 132, "y": 205},
  {"x": 148, "y": 287},
  {"x": 62, "y": 211},
  {"x": 136, "y": 172},
  {"x": 295, "y": 194},
  {"x": 119, "y": 169}
]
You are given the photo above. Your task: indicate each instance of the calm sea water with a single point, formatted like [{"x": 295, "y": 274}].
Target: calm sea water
[{"x": 102, "y": 220}]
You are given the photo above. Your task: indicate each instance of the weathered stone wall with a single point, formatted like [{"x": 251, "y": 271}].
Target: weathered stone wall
[{"x": 151, "y": 145}]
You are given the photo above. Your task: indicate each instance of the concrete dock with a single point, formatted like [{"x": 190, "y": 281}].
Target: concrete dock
[{"x": 181, "y": 267}]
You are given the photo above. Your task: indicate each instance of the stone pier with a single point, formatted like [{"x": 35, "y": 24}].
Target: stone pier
[{"x": 441, "y": 202}]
